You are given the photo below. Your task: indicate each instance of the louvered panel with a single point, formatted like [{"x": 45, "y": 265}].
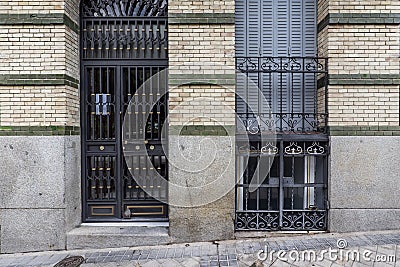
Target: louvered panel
[
  {"x": 309, "y": 28},
  {"x": 296, "y": 18},
  {"x": 240, "y": 28},
  {"x": 310, "y": 49},
  {"x": 282, "y": 34},
  {"x": 253, "y": 28},
  {"x": 268, "y": 36},
  {"x": 253, "y": 95},
  {"x": 282, "y": 28}
]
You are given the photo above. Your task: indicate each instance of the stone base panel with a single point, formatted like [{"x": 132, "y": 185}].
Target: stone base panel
[
  {"x": 40, "y": 192},
  {"x": 363, "y": 186}
]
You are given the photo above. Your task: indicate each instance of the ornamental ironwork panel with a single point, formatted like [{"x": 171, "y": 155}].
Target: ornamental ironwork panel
[
  {"x": 282, "y": 94},
  {"x": 144, "y": 38},
  {"x": 123, "y": 46},
  {"x": 124, "y": 8},
  {"x": 292, "y": 195}
]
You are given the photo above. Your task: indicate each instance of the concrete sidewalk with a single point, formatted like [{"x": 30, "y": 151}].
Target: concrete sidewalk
[{"x": 373, "y": 248}]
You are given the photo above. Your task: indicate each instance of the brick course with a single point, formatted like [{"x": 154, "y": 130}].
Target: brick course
[{"x": 39, "y": 106}]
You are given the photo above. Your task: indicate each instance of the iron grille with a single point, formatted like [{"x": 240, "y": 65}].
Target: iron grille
[
  {"x": 282, "y": 94},
  {"x": 292, "y": 196}
]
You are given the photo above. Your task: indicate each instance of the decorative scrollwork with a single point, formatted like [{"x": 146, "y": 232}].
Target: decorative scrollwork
[
  {"x": 282, "y": 122},
  {"x": 292, "y": 220},
  {"x": 269, "y": 64},
  {"x": 315, "y": 220},
  {"x": 269, "y": 149},
  {"x": 292, "y": 64},
  {"x": 257, "y": 221},
  {"x": 315, "y": 149},
  {"x": 293, "y": 149},
  {"x": 253, "y": 126},
  {"x": 304, "y": 220},
  {"x": 246, "y": 64},
  {"x": 314, "y": 65},
  {"x": 125, "y": 8}
]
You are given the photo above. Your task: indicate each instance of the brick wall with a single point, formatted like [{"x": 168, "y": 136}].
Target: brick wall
[
  {"x": 39, "y": 63},
  {"x": 362, "y": 41},
  {"x": 201, "y": 53},
  {"x": 364, "y": 6},
  {"x": 206, "y": 105},
  {"x": 201, "y": 6},
  {"x": 372, "y": 105},
  {"x": 30, "y": 7},
  {"x": 26, "y": 49},
  {"x": 194, "y": 46},
  {"x": 39, "y": 106},
  {"x": 364, "y": 49}
]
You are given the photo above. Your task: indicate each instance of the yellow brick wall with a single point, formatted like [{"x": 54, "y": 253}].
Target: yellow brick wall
[
  {"x": 194, "y": 48},
  {"x": 360, "y": 52},
  {"x": 202, "y": 105},
  {"x": 39, "y": 106},
  {"x": 323, "y": 9},
  {"x": 26, "y": 50},
  {"x": 364, "y": 105},
  {"x": 34, "y": 49},
  {"x": 363, "y": 49},
  {"x": 30, "y": 7},
  {"x": 201, "y": 6},
  {"x": 201, "y": 49},
  {"x": 364, "y": 6}
]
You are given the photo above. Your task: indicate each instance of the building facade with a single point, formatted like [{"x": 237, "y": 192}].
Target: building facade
[{"x": 263, "y": 116}]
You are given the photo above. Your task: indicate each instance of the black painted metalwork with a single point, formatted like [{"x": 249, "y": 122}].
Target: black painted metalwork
[
  {"x": 115, "y": 38},
  {"x": 282, "y": 110},
  {"x": 125, "y": 8},
  {"x": 123, "y": 45},
  {"x": 292, "y": 196},
  {"x": 292, "y": 94}
]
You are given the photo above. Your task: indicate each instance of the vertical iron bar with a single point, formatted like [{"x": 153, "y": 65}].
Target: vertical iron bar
[
  {"x": 151, "y": 100},
  {"x": 303, "y": 93},
  {"x": 119, "y": 156},
  {"x": 292, "y": 200},
  {"x": 326, "y": 95},
  {"x": 100, "y": 115},
  {"x": 281, "y": 173},
  {"x": 281, "y": 96}
]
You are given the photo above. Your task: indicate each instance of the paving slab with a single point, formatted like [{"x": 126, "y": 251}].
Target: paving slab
[{"x": 226, "y": 253}]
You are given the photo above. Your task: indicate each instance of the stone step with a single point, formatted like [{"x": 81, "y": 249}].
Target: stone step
[{"x": 100, "y": 237}]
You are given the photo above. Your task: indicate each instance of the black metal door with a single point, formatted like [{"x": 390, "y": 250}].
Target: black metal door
[{"x": 123, "y": 45}]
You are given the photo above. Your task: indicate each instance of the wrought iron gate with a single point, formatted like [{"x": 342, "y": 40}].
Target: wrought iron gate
[{"x": 123, "y": 44}]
